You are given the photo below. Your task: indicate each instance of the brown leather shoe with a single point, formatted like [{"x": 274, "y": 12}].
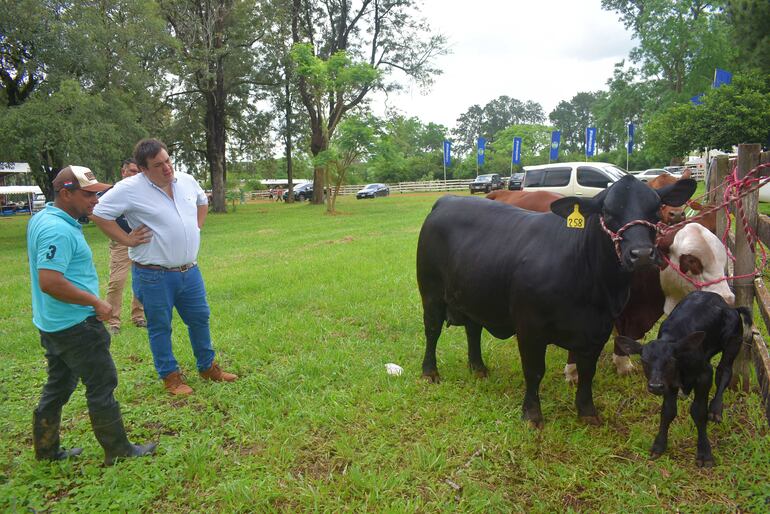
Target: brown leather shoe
[
  {"x": 174, "y": 384},
  {"x": 216, "y": 374}
]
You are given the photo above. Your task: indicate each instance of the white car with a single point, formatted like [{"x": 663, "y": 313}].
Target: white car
[
  {"x": 38, "y": 202},
  {"x": 586, "y": 179},
  {"x": 652, "y": 173}
]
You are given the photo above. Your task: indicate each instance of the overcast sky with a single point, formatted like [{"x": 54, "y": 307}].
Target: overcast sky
[{"x": 540, "y": 50}]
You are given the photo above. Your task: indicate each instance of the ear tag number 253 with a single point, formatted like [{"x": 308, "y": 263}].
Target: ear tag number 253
[{"x": 576, "y": 220}]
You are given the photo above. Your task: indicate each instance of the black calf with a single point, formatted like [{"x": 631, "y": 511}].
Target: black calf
[{"x": 701, "y": 326}]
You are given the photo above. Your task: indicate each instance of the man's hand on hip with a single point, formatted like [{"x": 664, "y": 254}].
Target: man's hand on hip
[{"x": 139, "y": 236}]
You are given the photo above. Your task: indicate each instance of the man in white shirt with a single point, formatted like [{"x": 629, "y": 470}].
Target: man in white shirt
[
  {"x": 166, "y": 211},
  {"x": 120, "y": 265}
]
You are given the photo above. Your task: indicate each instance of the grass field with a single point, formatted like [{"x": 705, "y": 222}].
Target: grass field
[{"x": 308, "y": 308}]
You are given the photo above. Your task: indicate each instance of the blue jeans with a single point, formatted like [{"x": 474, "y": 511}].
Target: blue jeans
[{"x": 160, "y": 291}]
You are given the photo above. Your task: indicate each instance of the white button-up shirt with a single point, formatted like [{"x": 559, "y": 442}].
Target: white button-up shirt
[{"x": 173, "y": 221}]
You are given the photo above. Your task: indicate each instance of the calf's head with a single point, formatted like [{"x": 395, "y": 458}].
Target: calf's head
[
  {"x": 630, "y": 209},
  {"x": 659, "y": 359}
]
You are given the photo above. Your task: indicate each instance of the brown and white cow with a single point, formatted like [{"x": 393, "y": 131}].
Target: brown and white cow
[
  {"x": 702, "y": 256},
  {"x": 537, "y": 201}
]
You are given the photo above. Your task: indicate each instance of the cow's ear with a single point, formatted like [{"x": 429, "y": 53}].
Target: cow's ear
[
  {"x": 566, "y": 206},
  {"x": 677, "y": 194},
  {"x": 691, "y": 343},
  {"x": 690, "y": 263},
  {"x": 628, "y": 346}
]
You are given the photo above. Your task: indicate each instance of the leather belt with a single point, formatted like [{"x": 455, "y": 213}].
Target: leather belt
[{"x": 183, "y": 268}]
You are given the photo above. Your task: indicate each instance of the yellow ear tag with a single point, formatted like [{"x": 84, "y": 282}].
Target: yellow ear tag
[{"x": 576, "y": 220}]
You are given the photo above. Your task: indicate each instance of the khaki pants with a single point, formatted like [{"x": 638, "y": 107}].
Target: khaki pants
[{"x": 120, "y": 266}]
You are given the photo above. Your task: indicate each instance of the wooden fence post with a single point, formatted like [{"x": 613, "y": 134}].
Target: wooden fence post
[
  {"x": 715, "y": 192},
  {"x": 745, "y": 259}
]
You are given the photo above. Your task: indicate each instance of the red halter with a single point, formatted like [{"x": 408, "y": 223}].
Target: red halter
[{"x": 617, "y": 237}]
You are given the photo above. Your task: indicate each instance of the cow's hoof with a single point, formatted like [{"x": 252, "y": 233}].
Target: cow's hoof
[
  {"x": 536, "y": 424},
  {"x": 655, "y": 455},
  {"x": 481, "y": 372},
  {"x": 716, "y": 417},
  {"x": 623, "y": 364},
  {"x": 432, "y": 377},
  {"x": 591, "y": 420},
  {"x": 534, "y": 416},
  {"x": 705, "y": 462},
  {"x": 571, "y": 374}
]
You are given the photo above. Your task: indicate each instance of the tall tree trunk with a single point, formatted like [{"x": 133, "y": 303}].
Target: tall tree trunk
[
  {"x": 216, "y": 139},
  {"x": 289, "y": 132},
  {"x": 215, "y": 145},
  {"x": 319, "y": 141}
]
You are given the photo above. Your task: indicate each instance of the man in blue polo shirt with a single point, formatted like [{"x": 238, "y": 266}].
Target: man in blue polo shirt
[{"x": 68, "y": 312}]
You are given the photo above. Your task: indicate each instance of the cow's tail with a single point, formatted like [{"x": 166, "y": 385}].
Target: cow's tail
[{"x": 748, "y": 322}]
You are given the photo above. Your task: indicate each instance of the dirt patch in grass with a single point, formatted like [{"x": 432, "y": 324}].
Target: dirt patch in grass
[
  {"x": 159, "y": 428},
  {"x": 317, "y": 459},
  {"x": 346, "y": 239}
]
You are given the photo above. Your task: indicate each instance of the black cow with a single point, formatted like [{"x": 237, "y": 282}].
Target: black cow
[
  {"x": 484, "y": 264},
  {"x": 700, "y": 326}
]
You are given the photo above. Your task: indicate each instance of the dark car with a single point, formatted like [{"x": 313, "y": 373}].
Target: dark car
[
  {"x": 486, "y": 183},
  {"x": 372, "y": 190},
  {"x": 301, "y": 192},
  {"x": 516, "y": 181}
]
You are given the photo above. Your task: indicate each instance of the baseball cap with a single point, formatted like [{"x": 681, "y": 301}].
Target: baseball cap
[{"x": 78, "y": 177}]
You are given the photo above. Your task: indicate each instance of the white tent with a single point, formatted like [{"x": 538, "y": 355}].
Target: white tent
[{"x": 28, "y": 192}]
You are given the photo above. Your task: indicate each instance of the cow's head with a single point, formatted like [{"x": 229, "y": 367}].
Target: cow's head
[
  {"x": 630, "y": 210},
  {"x": 672, "y": 215},
  {"x": 659, "y": 359}
]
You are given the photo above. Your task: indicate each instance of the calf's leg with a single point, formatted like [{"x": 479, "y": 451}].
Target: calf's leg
[
  {"x": 723, "y": 376},
  {"x": 667, "y": 415},
  {"x": 699, "y": 414},
  {"x": 533, "y": 363},
  {"x": 584, "y": 398},
  {"x": 475, "y": 362}
]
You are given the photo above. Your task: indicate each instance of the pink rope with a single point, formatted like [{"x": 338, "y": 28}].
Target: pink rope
[{"x": 735, "y": 190}]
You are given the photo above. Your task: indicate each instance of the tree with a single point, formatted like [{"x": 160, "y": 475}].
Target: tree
[
  {"x": 735, "y": 113},
  {"x": 217, "y": 65},
  {"x": 730, "y": 115},
  {"x": 495, "y": 116},
  {"x": 385, "y": 34},
  {"x": 337, "y": 77},
  {"x": 350, "y": 144},
  {"x": 572, "y": 118},
  {"x": 750, "y": 21},
  {"x": 74, "y": 58},
  {"x": 535, "y": 143},
  {"x": 679, "y": 41},
  {"x": 69, "y": 126}
]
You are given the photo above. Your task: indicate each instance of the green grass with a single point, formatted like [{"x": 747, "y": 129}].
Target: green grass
[{"x": 307, "y": 308}]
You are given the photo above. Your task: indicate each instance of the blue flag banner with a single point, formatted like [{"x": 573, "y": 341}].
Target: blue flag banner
[
  {"x": 555, "y": 140},
  {"x": 590, "y": 141},
  {"x": 697, "y": 99},
  {"x": 721, "y": 77},
  {"x": 447, "y": 153},
  {"x": 630, "y": 138},
  {"x": 516, "y": 151},
  {"x": 482, "y": 145}
]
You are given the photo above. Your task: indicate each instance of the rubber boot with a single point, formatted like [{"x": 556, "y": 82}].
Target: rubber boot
[
  {"x": 111, "y": 434},
  {"x": 45, "y": 437}
]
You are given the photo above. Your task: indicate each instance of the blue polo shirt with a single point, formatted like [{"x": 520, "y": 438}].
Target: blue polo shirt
[{"x": 55, "y": 241}]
